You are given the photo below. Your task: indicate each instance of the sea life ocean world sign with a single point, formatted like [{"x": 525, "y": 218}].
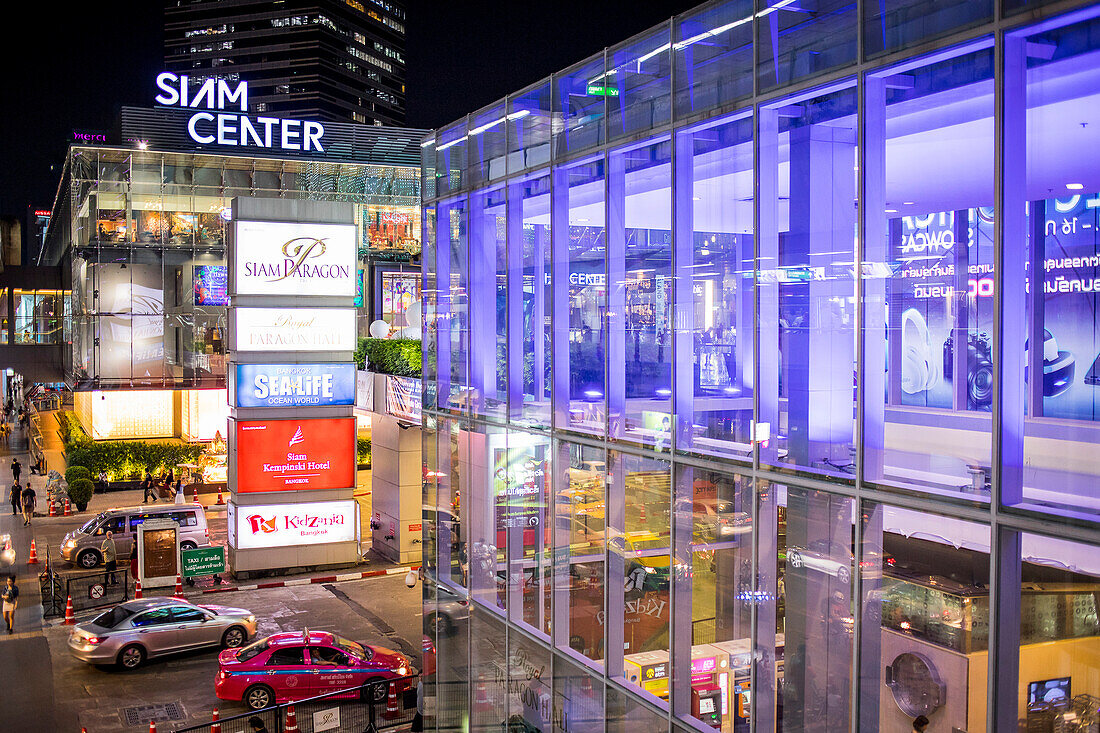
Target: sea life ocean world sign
[
  {"x": 295, "y": 385},
  {"x": 290, "y": 258},
  {"x": 223, "y": 127}
]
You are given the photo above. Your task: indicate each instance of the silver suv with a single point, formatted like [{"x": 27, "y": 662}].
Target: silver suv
[{"x": 82, "y": 546}]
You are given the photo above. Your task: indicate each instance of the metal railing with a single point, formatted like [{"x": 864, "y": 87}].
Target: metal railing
[
  {"x": 375, "y": 707},
  {"x": 98, "y": 588}
]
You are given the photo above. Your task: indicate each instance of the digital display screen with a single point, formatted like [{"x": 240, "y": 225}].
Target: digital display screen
[
  {"x": 1055, "y": 691},
  {"x": 211, "y": 285},
  {"x": 706, "y": 705}
]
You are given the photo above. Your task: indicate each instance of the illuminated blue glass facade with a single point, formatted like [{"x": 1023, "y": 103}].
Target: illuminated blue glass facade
[{"x": 731, "y": 419}]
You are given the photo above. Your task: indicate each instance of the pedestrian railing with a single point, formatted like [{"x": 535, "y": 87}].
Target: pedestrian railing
[
  {"x": 376, "y": 706},
  {"x": 53, "y": 589},
  {"x": 97, "y": 588}
]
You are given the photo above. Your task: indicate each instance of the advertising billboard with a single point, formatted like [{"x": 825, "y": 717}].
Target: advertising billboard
[
  {"x": 291, "y": 258},
  {"x": 295, "y": 385},
  {"x": 285, "y": 525},
  {"x": 211, "y": 285},
  {"x": 295, "y": 455},
  {"x": 293, "y": 329}
]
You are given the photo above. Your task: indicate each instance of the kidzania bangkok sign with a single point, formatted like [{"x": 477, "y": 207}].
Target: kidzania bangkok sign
[
  {"x": 284, "y": 525},
  {"x": 222, "y": 127}
]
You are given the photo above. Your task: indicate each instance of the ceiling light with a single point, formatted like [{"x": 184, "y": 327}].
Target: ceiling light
[
  {"x": 1075, "y": 186},
  {"x": 891, "y": 211}
]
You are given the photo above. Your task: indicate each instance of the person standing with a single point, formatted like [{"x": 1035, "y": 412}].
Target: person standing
[
  {"x": 256, "y": 725},
  {"x": 16, "y": 498},
  {"x": 178, "y": 489},
  {"x": 148, "y": 489},
  {"x": 110, "y": 558},
  {"x": 10, "y": 597},
  {"x": 29, "y": 501},
  {"x": 920, "y": 723},
  {"x": 16, "y": 469}
]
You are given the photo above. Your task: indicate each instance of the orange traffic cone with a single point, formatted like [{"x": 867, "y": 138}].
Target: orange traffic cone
[
  {"x": 53, "y": 509},
  {"x": 220, "y": 501},
  {"x": 33, "y": 559},
  {"x": 152, "y": 726},
  {"x": 481, "y": 696},
  {"x": 391, "y": 701},
  {"x": 196, "y": 499},
  {"x": 137, "y": 589},
  {"x": 68, "y": 509},
  {"x": 179, "y": 585},
  {"x": 642, "y": 516},
  {"x": 215, "y": 725},
  {"x": 70, "y": 619},
  {"x": 291, "y": 721}
]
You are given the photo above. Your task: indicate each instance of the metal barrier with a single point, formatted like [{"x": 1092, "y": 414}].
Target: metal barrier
[
  {"x": 372, "y": 710},
  {"x": 97, "y": 589},
  {"x": 53, "y": 593}
]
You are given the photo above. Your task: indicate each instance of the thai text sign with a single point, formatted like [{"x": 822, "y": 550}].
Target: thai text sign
[{"x": 203, "y": 561}]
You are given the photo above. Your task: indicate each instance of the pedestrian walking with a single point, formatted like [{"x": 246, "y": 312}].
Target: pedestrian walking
[
  {"x": 133, "y": 557},
  {"x": 418, "y": 718},
  {"x": 10, "y": 597},
  {"x": 16, "y": 469},
  {"x": 178, "y": 492},
  {"x": 29, "y": 501},
  {"x": 256, "y": 724},
  {"x": 16, "y": 499},
  {"x": 110, "y": 558},
  {"x": 148, "y": 489}
]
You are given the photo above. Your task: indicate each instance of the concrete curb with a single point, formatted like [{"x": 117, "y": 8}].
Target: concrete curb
[{"x": 400, "y": 570}]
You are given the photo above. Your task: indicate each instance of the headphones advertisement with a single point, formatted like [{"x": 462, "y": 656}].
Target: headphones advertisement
[{"x": 924, "y": 306}]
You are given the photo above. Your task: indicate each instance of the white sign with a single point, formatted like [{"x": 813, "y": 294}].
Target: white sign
[
  {"x": 288, "y": 258},
  {"x": 326, "y": 719},
  {"x": 230, "y": 128},
  {"x": 293, "y": 329},
  {"x": 286, "y": 525}
]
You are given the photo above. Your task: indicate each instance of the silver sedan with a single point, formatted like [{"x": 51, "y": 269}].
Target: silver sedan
[{"x": 134, "y": 631}]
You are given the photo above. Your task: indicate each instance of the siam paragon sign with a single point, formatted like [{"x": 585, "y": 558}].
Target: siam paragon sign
[
  {"x": 223, "y": 127},
  {"x": 289, "y": 258}
]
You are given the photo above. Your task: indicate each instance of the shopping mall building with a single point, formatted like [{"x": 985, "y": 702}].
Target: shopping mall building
[
  {"x": 731, "y": 419},
  {"x": 139, "y": 233}
]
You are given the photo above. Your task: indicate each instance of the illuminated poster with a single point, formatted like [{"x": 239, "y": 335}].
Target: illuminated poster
[
  {"x": 295, "y": 455},
  {"x": 286, "y": 525},
  {"x": 399, "y": 291},
  {"x": 519, "y": 480},
  {"x": 295, "y": 385},
  {"x": 293, "y": 329},
  {"x": 131, "y": 334},
  {"x": 211, "y": 284}
]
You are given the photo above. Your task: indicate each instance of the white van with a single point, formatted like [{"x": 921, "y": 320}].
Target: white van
[{"x": 82, "y": 546}]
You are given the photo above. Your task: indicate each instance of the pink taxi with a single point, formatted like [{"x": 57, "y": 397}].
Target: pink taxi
[{"x": 300, "y": 664}]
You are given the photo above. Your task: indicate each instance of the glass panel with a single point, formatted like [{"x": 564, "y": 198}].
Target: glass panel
[
  {"x": 799, "y": 39},
  {"x": 488, "y": 316},
  {"x": 578, "y": 695},
  {"x": 640, "y": 297},
  {"x": 427, "y": 168},
  {"x": 925, "y": 619},
  {"x": 580, "y": 522},
  {"x": 1059, "y": 633},
  {"x": 637, "y": 84},
  {"x": 715, "y": 260},
  {"x": 450, "y": 159},
  {"x": 529, "y": 683},
  {"x": 580, "y": 264},
  {"x": 579, "y": 100},
  {"x": 454, "y": 325},
  {"x": 626, "y": 715},
  {"x": 807, "y": 295},
  {"x": 522, "y": 495},
  {"x": 713, "y": 56},
  {"x": 488, "y": 671},
  {"x": 453, "y": 550},
  {"x": 431, "y": 304},
  {"x": 486, "y": 145},
  {"x": 927, "y": 278},
  {"x": 5, "y": 322},
  {"x": 529, "y": 124},
  {"x": 891, "y": 25},
  {"x": 1053, "y": 194},
  {"x": 529, "y": 223},
  {"x": 487, "y": 509}
]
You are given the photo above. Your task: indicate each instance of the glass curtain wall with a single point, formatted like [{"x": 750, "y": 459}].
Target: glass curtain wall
[{"x": 733, "y": 397}]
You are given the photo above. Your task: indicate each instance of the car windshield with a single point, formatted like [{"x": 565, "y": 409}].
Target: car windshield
[
  {"x": 252, "y": 650},
  {"x": 88, "y": 526},
  {"x": 111, "y": 619},
  {"x": 351, "y": 647}
]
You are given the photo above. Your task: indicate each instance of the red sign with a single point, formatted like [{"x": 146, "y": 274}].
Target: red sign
[
  {"x": 414, "y": 527},
  {"x": 295, "y": 455}
]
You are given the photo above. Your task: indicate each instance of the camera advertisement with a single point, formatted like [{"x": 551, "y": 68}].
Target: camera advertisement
[{"x": 927, "y": 298}]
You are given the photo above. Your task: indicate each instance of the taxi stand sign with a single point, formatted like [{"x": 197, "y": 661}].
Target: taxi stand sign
[{"x": 202, "y": 561}]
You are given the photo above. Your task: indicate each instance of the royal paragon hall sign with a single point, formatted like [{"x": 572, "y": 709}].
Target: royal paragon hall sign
[{"x": 291, "y": 376}]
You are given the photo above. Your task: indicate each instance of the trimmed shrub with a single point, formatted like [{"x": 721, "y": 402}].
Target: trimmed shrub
[
  {"x": 70, "y": 429},
  {"x": 362, "y": 451},
  {"x": 122, "y": 459},
  {"x": 399, "y": 357},
  {"x": 72, "y": 473},
  {"x": 80, "y": 491}
]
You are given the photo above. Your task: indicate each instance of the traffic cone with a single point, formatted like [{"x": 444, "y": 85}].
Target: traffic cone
[
  {"x": 291, "y": 721},
  {"x": 642, "y": 517},
  {"x": 481, "y": 696},
  {"x": 33, "y": 559},
  {"x": 68, "y": 509},
  {"x": 215, "y": 725},
  {"x": 196, "y": 495},
  {"x": 137, "y": 589},
  {"x": 70, "y": 619},
  {"x": 391, "y": 701},
  {"x": 152, "y": 726},
  {"x": 53, "y": 509},
  {"x": 220, "y": 501},
  {"x": 179, "y": 585}
]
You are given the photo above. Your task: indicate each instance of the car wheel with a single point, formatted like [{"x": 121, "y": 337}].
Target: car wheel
[
  {"x": 131, "y": 657},
  {"x": 377, "y": 691},
  {"x": 259, "y": 697},
  {"x": 188, "y": 546},
  {"x": 794, "y": 559},
  {"x": 88, "y": 559},
  {"x": 843, "y": 574},
  {"x": 440, "y": 623},
  {"x": 233, "y": 637}
]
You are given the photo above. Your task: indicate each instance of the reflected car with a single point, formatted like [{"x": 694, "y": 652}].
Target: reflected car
[
  {"x": 831, "y": 558},
  {"x": 7, "y": 556},
  {"x": 451, "y": 609},
  {"x": 132, "y": 632},
  {"x": 295, "y": 665}
]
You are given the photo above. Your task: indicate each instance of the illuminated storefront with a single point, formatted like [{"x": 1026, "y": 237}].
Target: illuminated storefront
[
  {"x": 144, "y": 224},
  {"x": 732, "y": 399}
]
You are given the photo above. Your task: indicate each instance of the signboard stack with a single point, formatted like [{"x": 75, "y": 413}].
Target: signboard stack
[{"x": 291, "y": 379}]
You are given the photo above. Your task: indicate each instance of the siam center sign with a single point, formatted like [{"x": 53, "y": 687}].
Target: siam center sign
[{"x": 215, "y": 120}]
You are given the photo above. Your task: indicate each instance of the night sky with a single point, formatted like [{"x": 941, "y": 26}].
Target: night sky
[{"x": 74, "y": 70}]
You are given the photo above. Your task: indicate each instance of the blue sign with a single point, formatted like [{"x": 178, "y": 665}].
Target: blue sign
[{"x": 295, "y": 385}]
